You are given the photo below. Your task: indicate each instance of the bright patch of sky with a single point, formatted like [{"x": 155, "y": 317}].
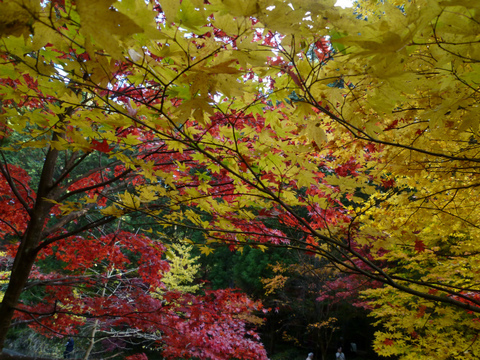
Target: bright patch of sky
[{"x": 344, "y": 3}]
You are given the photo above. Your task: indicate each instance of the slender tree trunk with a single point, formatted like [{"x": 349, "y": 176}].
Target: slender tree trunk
[
  {"x": 27, "y": 251},
  {"x": 95, "y": 325},
  {"x": 92, "y": 340}
]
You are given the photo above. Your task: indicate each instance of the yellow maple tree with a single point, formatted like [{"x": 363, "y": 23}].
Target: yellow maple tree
[
  {"x": 183, "y": 269},
  {"x": 408, "y": 103}
]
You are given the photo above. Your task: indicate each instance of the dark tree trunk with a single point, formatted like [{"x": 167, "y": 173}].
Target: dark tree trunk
[{"x": 27, "y": 251}]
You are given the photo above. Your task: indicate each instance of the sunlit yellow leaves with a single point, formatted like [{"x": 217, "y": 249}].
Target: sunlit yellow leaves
[
  {"x": 104, "y": 25},
  {"x": 240, "y": 8},
  {"x": 112, "y": 210},
  {"x": 141, "y": 13},
  {"x": 296, "y": 18},
  {"x": 129, "y": 200},
  {"x": 206, "y": 250},
  {"x": 316, "y": 132},
  {"x": 183, "y": 269},
  {"x": 170, "y": 9},
  {"x": 191, "y": 14},
  {"x": 416, "y": 329},
  {"x": 44, "y": 34},
  {"x": 306, "y": 178},
  {"x": 68, "y": 207}
]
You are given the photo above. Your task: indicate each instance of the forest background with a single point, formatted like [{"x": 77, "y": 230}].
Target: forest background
[{"x": 325, "y": 158}]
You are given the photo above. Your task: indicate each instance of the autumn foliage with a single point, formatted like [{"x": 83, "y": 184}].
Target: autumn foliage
[{"x": 348, "y": 134}]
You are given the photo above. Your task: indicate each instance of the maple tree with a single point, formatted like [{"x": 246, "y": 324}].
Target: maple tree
[
  {"x": 70, "y": 200},
  {"x": 355, "y": 131},
  {"x": 183, "y": 269},
  {"x": 409, "y": 101}
]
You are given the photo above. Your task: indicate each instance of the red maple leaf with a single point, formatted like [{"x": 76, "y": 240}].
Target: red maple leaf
[
  {"x": 421, "y": 311},
  {"x": 419, "y": 246},
  {"x": 371, "y": 147},
  {"x": 387, "y": 184},
  {"x": 388, "y": 342},
  {"x": 101, "y": 146}
]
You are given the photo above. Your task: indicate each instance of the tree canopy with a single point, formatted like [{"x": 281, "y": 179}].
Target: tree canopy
[{"x": 350, "y": 134}]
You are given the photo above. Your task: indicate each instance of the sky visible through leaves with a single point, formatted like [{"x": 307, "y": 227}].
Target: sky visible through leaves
[{"x": 344, "y": 3}]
